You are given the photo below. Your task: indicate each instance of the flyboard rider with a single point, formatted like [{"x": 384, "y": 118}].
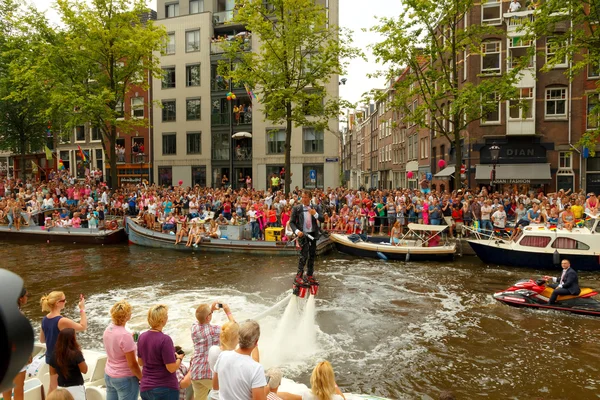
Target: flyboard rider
[{"x": 304, "y": 221}]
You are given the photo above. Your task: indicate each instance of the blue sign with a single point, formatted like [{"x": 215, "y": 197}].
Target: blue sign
[
  {"x": 428, "y": 176},
  {"x": 313, "y": 175}
]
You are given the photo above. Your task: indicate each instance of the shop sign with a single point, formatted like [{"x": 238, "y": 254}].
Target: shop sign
[
  {"x": 513, "y": 181},
  {"x": 332, "y": 159},
  {"x": 131, "y": 179}
]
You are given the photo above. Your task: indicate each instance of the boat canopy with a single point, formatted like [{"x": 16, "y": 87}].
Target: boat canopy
[{"x": 422, "y": 227}]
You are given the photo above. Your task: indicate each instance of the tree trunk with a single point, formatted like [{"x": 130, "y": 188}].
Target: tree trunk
[
  {"x": 113, "y": 157},
  {"x": 23, "y": 167},
  {"x": 288, "y": 147},
  {"x": 458, "y": 158}
]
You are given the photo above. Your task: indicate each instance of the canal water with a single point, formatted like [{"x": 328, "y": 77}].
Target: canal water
[{"x": 399, "y": 330}]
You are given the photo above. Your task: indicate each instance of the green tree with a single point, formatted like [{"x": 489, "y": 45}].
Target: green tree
[
  {"x": 105, "y": 48},
  {"x": 574, "y": 26},
  {"x": 424, "y": 50},
  {"x": 300, "y": 52},
  {"x": 23, "y": 120}
]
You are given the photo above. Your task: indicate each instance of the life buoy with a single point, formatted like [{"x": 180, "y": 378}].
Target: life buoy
[{"x": 113, "y": 225}]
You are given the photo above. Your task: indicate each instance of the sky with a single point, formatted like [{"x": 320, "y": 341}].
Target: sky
[{"x": 355, "y": 16}]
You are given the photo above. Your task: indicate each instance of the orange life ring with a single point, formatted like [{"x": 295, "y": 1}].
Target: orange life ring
[{"x": 112, "y": 225}]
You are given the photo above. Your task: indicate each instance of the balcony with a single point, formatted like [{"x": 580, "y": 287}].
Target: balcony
[
  {"x": 221, "y": 85},
  {"x": 243, "y": 153},
  {"x": 516, "y": 21},
  {"x": 220, "y": 154},
  {"x": 222, "y": 17},
  {"x": 219, "y": 44},
  {"x": 239, "y": 118},
  {"x": 137, "y": 158}
]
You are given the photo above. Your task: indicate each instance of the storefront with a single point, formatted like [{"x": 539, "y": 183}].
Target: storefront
[{"x": 522, "y": 164}]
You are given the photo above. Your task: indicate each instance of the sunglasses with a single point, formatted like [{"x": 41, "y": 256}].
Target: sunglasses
[{"x": 62, "y": 301}]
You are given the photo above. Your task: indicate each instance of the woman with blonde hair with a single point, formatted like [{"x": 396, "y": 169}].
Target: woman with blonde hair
[
  {"x": 156, "y": 354},
  {"x": 322, "y": 382},
  {"x": 122, "y": 372},
  {"x": 53, "y": 323},
  {"x": 60, "y": 394}
]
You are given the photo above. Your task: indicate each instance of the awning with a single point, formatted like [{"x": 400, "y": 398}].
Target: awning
[
  {"x": 514, "y": 173},
  {"x": 412, "y": 166},
  {"x": 446, "y": 172}
]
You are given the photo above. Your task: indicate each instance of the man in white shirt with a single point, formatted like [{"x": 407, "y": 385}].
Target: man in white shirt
[
  {"x": 499, "y": 219},
  {"x": 237, "y": 376},
  {"x": 514, "y": 6},
  {"x": 48, "y": 202}
]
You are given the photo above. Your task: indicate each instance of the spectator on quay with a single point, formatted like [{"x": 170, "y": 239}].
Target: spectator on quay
[
  {"x": 68, "y": 364},
  {"x": 486, "y": 212},
  {"x": 122, "y": 372},
  {"x": 458, "y": 218},
  {"x": 237, "y": 376},
  {"x": 499, "y": 220},
  {"x": 204, "y": 336},
  {"x": 447, "y": 213},
  {"x": 53, "y": 323},
  {"x": 229, "y": 338},
  {"x": 156, "y": 355}
]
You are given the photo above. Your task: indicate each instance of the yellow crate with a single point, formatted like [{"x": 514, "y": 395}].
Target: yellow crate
[{"x": 273, "y": 234}]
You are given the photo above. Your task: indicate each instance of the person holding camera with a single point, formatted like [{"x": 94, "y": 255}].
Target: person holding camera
[
  {"x": 184, "y": 375},
  {"x": 122, "y": 373},
  {"x": 204, "y": 336},
  {"x": 53, "y": 323}
]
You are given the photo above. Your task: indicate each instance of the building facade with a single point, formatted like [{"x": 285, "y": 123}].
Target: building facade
[{"x": 202, "y": 137}]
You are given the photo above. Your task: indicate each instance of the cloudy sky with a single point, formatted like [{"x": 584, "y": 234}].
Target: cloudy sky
[{"x": 353, "y": 15}]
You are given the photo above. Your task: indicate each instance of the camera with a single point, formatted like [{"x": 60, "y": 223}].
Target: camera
[
  {"x": 219, "y": 305},
  {"x": 16, "y": 333}
]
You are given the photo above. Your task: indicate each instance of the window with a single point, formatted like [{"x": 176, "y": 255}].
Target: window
[
  {"x": 199, "y": 175},
  {"x": 593, "y": 111},
  {"x": 465, "y": 65},
  {"x": 194, "y": 144},
  {"x": 172, "y": 10},
  {"x": 165, "y": 176},
  {"x": 196, "y": 6},
  {"x": 564, "y": 160},
  {"x": 490, "y": 12},
  {"x": 192, "y": 75},
  {"x": 593, "y": 70},
  {"x": 170, "y": 46},
  {"x": 192, "y": 41},
  {"x": 313, "y": 140},
  {"x": 96, "y": 134},
  {"x": 568, "y": 243},
  {"x": 556, "y": 103},
  {"x": 137, "y": 107},
  {"x": 535, "y": 241},
  {"x": 423, "y": 147},
  {"x": 490, "y": 109},
  {"x": 119, "y": 110},
  {"x": 275, "y": 141},
  {"x": 518, "y": 52},
  {"x": 169, "y": 144},
  {"x": 98, "y": 158},
  {"x": 490, "y": 57},
  {"x": 80, "y": 133},
  {"x": 192, "y": 109},
  {"x": 553, "y": 46},
  {"x": 168, "y": 78},
  {"x": 65, "y": 157},
  {"x": 522, "y": 108},
  {"x": 313, "y": 176},
  {"x": 169, "y": 111}
]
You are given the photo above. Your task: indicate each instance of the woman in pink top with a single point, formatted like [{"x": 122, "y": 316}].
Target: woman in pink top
[
  {"x": 76, "y": 221},
  {"x": 122, "y": 372}
]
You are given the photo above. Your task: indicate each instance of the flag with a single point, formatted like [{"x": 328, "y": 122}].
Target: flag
[
  {"x": 61, "y": 166},
  {"x": 250, "y": 92},
  {"x": 48, "y": 153},
  {"x": 82, "y": 154}
]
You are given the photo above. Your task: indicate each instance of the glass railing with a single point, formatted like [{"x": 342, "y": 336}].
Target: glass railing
[
  {"x": 219, "y": 119},
  {"x": 220, "y": 154},
  {"x": 243, "y": 153},
  {"x": 133, "y": 158},
  {"x": 242, "y": 117},
  {"x": 222, "y": 17},
  {"x": 218, "y": 46},
  {"x": 219, "y": 85}
]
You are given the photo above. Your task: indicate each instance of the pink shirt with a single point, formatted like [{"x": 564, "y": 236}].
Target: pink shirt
[{"x": 117, "y": 342}]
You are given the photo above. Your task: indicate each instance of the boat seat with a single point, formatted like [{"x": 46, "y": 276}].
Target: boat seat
[
  {"x": 94, "y": 393},
  {"x": 33, "y": 390},
  {"x": 548, "y": 292}
]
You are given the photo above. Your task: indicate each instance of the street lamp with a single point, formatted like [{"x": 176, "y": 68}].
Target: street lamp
[{"x": 495, "y": 154}]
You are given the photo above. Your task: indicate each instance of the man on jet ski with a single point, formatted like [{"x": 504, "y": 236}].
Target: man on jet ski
[{"x": 568, "y": 283}]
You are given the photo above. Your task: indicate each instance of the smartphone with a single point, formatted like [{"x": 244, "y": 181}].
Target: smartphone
[
  {"x": 268, "y": 379},
  {"x": 219, "y": 305}
]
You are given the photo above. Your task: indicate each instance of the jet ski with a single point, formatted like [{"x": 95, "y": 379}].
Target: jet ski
[{"x": 535, "y": 294}]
